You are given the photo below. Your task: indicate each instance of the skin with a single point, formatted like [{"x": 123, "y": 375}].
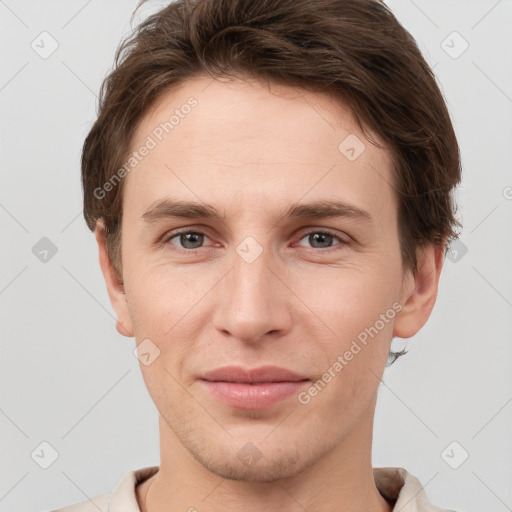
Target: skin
[{"x": 295, "y": 306}]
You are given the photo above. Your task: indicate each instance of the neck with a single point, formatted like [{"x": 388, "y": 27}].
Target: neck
[{"x": 340, "y": 480}]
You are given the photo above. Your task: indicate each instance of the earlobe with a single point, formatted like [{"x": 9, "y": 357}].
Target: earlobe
[
  {"x": 421, "y": 293},
  {"x": 115, "y": 286},
  {"x": 121, "y": 329}
]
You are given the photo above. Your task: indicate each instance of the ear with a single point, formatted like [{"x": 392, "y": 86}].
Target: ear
[
  {"x": 115, "y": 285},
  {"x": 419, "y": 292}
]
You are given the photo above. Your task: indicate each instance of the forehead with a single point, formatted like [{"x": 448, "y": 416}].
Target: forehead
[{"x": 252, "y": 143}]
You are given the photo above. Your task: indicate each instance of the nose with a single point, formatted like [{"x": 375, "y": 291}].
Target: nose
[{"x": 252, "y": 301}]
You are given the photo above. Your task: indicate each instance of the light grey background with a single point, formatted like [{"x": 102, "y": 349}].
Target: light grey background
[{"x": 69, "y": 379}]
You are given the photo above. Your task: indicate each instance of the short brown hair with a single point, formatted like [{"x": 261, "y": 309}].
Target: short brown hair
[{"x": 355, "y": 50}]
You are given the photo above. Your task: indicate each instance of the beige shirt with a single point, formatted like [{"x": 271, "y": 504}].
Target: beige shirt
[{"x": 399, "y": 487}]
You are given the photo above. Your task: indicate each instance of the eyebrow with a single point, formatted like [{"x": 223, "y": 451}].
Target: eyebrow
[{"x": 168, "y": 208}]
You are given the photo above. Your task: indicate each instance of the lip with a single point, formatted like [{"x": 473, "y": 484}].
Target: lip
[
  {"x": 252, "y": 375},
  {"x": 256, "y": 388}
]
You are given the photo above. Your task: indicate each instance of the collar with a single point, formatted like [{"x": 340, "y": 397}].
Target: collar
[{"x": 396, "y": 485}]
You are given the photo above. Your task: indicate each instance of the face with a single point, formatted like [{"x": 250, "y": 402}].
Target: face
[{"x": 318, "y": 294}]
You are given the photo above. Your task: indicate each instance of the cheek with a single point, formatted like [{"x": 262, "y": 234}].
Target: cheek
[
  {"x": 166, "y": 308},
  {"x": 358, "y": 306},
  {"x": 353, "y": 363},
  {"x": 345, "y": 295},
  {"x": 336, "y": 302},
  {"x": 349, "y": 297},
  {"x": 159, "y": 295}
]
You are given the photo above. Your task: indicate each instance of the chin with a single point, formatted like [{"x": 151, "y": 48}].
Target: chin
[
  {"x": 268, "y": 471},
  {"x": 250, "y": 465}
]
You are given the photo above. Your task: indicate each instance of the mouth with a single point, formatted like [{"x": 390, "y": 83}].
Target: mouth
[
  {"x": 241, "y": 375},
  {"x": 253, "y": 389}
]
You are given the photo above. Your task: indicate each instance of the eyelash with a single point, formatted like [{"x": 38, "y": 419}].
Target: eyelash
[{"x": 167, "y": 240}]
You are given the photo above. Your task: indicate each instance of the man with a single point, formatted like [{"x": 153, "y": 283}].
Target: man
[{"x": 270, "y": 185}]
